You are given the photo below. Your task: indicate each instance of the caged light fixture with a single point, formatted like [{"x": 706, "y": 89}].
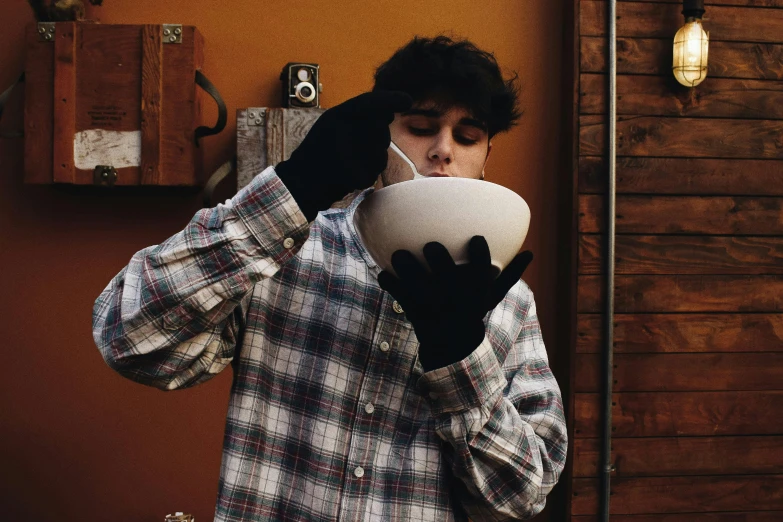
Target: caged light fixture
[{"x": 691, "y": 44}]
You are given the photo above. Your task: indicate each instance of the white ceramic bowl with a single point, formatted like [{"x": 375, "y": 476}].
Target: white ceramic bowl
[{"x": 410, "y": 214}]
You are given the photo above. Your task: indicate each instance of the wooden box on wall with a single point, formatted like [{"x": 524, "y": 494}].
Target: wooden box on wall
[{"x": 112, "y": 104}]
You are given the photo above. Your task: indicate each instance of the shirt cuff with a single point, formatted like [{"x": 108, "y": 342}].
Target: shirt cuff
[
  {"x": 268, "y": 210},
  {"x": 476, "y": 380}
]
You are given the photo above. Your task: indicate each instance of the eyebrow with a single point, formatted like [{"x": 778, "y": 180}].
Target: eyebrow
[{"x": 434, "y": 113}]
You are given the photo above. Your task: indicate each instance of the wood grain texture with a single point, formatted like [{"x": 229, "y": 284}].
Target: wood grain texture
[
  {"x": 663, "y": 96},
  {"x": 274, "y": 136},
  {"x": 283, "y": 131},
  {"x": 38, "y": 108},
  {"x": 637, "y": 254},
  {"x": 683, "y": 333},
  {"x": 64, "y": 101},
  {"x": 151, "y": 99},
  {"x": 683, "y": 372},
  {"x": 684, "y": 215},
  {"x": 759, "y": 61},
  {"x": 739, "y": 516},
  {"x": 685, "y": 137},
  {"x": 109, "y": 79},
  {"x": 681, "y": 414},
  {"x": 687, "y": 293},
  {"x": 683, "y": 494},
  {"x": 678, "y": 456},
  {"x": 180, "y": 158},
  {"x": 633, "y": 20},
  {"x": 286, "y": 128},
  {"x": 251, "y": 145},
  {"x": 694, "y": 176},
  {"x": 707, "y": 3}
]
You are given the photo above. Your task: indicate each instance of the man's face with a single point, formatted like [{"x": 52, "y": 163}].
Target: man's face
[{"x": 440, "y": 143}]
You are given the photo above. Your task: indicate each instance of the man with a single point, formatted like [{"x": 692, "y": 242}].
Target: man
[{"x": 356, "y": 395}]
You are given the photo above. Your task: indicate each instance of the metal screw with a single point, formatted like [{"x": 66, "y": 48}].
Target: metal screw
[
  {"x": 51, "y": 29},
  {"x": 172, "y": 39},
  {"x": 114, "y": 174},
  {"x": 105, "y": 175},
  {"x": 41, "y": 30},
  {"x": 48, "y": 37},
  {"x": 166, "y": 32},
  {"x": 252, "y": 115},
  {"x": 177, "y": 31},
  {"x": 258, "y": 121}
]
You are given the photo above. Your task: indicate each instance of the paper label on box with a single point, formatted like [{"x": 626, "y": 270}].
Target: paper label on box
[{"x": 104, "y": 147}]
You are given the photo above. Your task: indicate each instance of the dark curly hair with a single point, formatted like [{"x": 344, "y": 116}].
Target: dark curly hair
[{"x": 453, "y": 74}]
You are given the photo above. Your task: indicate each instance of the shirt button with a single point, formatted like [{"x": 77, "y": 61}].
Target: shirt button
[
  {"x": 288, "y": 242},
  {"x": 359, "y": 472},
  {"x": 384, "y": 346},
  {"x": 369, "y": 408},
  {"x": 397, "y": 307}
]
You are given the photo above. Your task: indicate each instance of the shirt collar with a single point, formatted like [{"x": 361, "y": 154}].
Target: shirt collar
[{"x": 350, "y": 211}]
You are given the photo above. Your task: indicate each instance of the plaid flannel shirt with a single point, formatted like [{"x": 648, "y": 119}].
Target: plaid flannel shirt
[{"x": 331, "y": 416}]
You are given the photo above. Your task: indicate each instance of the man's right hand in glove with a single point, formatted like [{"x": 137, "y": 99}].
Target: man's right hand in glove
[{"x": 345, "y": 150}]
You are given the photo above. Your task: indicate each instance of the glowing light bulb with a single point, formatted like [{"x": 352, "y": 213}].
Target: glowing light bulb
[{"x": 691, "y": 46}]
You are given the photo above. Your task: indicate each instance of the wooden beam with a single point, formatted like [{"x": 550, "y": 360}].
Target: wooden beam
[
  {"x": 64, "y": 101},
  {"x": 659, "y": 20},
  {"x": 682, "y": 494},
  {"x": 736, "y": 516},
  {"x": 682, "y": 372},
  {"x": 151, "y": 101},
  {"x": 682, "y": 414},
  {"x": 685, "y": 137},
  {"x": 757, "y": 61},
  {"x": 677, "y": 456},
  {"x": 697, "y": 176},
  {"x": 642, "y": 95},
  {"x": 683, "y": 333},
  {"x": 684, "y": 215},
  {"x": 707, "y": 3},
  {"x": 688, "y": 293},
  {"x": 39, "y": 108},
  {"x": 720, "y": 255}
]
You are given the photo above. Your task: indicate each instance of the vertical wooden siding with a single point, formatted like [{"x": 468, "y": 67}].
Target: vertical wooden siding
[{"x": 698, "y": 330}]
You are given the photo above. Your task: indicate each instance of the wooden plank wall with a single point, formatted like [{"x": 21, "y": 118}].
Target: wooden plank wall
[{"x": 698, "y": 366}]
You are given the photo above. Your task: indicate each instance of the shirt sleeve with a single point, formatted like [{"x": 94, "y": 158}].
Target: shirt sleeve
[
  {"x": 172, "y": 317},
  {"x": 504, "y": 423}
]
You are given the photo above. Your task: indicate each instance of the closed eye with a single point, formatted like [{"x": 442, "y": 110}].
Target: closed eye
[{"x": 419, "y": 131}]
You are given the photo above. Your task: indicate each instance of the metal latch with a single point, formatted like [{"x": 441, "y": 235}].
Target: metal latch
[
  {"x": 104, "y": 175},
  {"x": 46, "y": 31},
  {"x": 172, "y": 33}
]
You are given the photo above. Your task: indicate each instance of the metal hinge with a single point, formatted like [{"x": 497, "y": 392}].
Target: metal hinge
[
  {"x": 256, "y": 116},
  {"x": 172, "y": 33},
  {"x": 104, "y": 175},
  {"x": 46, "y": 31}
]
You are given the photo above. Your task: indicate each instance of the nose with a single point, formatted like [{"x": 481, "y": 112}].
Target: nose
[{"x": 442, "y": 149}]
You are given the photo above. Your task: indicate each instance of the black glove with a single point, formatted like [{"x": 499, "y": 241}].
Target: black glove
[
  {"x": 447, "y": 305},
  {"x": 345, "y": 150}
]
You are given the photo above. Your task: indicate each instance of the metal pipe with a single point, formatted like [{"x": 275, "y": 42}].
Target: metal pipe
[{"x": 608, "y": 349}]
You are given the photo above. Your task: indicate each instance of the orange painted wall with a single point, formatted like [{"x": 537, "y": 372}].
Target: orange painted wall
[{"x": 78, "y": 442}]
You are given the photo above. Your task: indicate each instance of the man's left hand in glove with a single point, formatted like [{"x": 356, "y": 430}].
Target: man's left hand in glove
[{"x": 447, "y": 304}]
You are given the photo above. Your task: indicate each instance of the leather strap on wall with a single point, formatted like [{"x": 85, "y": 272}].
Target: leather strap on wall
[
  {"x": 215, "y": 179},
  {"x": 3, "y": 99},
  {"x": 205, "y": 84}
]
